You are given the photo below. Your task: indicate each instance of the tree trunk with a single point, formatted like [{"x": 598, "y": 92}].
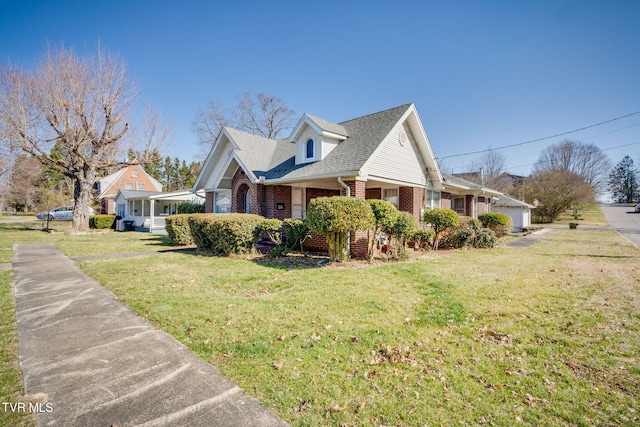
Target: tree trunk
[
  {"x": 82, "y": 188},
  {"x": 338, "y": 245}
]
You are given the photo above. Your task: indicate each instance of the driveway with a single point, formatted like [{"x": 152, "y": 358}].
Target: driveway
[{"x": 624, "y": 220}]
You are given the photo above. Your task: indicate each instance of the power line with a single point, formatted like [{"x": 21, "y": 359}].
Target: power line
[
  {"x": 541, "y": 139},
  {"x": 620, "y": 146}
]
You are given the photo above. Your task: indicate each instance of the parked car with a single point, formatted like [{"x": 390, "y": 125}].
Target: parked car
[
  {"x": 638, "y": 208},
  {"x": 60, "y": 213}
]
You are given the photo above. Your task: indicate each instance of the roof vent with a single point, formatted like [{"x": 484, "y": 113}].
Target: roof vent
[{"x": 402, "y": 137}]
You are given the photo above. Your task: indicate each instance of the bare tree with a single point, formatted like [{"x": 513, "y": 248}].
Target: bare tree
[
  {"x": 262, "y": 115},
  {"x": 490, "y": 170},
  {"x": 152, "y": 135},
  {"x": 6, "y": 160},
  {"x": 23, "y": 190},
  {"x": 69, "y": 113},
  {"x": 584, "y": 159}
]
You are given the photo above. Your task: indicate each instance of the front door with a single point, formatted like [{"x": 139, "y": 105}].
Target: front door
[{"x": 298, "y": 208}]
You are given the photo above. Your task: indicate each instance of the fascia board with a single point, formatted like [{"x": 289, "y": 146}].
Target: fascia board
[
  {"x": 204, "y": 171},
  {"x": 333, "y": 135},
  {"x": 350, "y": 174}
]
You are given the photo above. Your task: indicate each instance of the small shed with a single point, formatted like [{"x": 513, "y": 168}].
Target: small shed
[{"x": 519, "y": 212}]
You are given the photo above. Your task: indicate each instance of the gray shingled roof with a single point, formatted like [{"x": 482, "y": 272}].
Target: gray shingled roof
[
  {"x": 328, "y": 126},
  {"x": 508, "y": 202},
  {"x": 460, "y": 182},
  {"x": 261, "y": 155},
  {"x": 276, "y": 159},
  {"x": 456, "y": 181}
]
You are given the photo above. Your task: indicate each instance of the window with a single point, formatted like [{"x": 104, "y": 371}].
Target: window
[
  {"x": 222, "y": 201},
  {"x": 390, "y": 195},
  {"x": 120, "y": 210},
  {"x": 432, "y": 200},
  {"x": 140, "y": 187},
  {"x": 310, "y": 149},
  {"x": 458, "y": 205},
  {"x": 134, "y": 173},
  {"x": 128, "y": 186},
  {"x": 247, "y": 201}
]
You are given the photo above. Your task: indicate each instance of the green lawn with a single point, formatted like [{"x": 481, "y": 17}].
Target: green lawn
[
  {"x": 547, "y": 335},
  {"x": 590, "y": 215},
  {"x": 10, "y": 377},
  {"x": 544, "y": 336},
  {"x": 92, "y": 243}
]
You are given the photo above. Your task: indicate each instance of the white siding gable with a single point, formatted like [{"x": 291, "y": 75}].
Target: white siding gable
[{"x": 399, "y": 158}]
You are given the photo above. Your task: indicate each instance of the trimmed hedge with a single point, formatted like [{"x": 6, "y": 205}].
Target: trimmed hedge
[
  {"x": 225, "y": 234},
  {"x": 179, "y": 230},
  {"x": 496, "y": 221},
  {"x": 190, "y": 208},
  {"x": 441, "y": 219},
  {"x": 335, "y": 217},
  {"x": 103, "y": 221}
]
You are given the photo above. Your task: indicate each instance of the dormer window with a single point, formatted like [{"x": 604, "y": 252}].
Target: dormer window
[{"x": 310, "y": 149}]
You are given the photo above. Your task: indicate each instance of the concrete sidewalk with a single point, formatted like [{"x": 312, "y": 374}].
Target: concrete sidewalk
[
  {"x": 97, "y": 363},
  {"x": 529, "y": 239}
]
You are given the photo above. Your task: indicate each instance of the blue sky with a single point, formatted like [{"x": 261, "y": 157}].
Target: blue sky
[{"x": 481, "y": 73}]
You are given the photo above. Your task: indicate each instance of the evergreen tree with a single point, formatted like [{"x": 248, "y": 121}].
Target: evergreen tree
[{"x": 623, "y": 181}]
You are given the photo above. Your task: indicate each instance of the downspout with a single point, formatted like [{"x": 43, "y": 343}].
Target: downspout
[{"x": 345, "y": 186}]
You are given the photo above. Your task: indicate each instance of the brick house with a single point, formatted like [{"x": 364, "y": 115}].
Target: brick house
[
  {"x": 132, "y": 177},
  {"x": 385, "y": 155}
]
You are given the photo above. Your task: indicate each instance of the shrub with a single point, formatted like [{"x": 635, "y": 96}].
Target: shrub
[
  {"x": 179, "y": 229},
  {"x": 272, "y": 229},
  {"x": 423, "y": 238},
  {"x": 402, "y": 231},
  {"x": 225, "y": 234},
  {"x": 469, "y": 234},
  {"x": 441, "y": 220},
  {"x": 103, "y": 221},
  {"x": 386, "y": 216},
  {"x": 192, "y": 207},
  {"x": 335, "y": 217},
  {"x": 496, "y": 221},
  {"x": 297, "y": 232}
]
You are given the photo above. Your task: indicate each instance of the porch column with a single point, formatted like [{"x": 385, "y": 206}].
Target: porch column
[
  {"x": 152, "y": 213},
  {"x": 411, "y": 199}
]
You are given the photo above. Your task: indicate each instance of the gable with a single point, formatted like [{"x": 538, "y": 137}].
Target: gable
[
  {"x": 399, "y": 158},
  {"x": 133, "y": 176}
]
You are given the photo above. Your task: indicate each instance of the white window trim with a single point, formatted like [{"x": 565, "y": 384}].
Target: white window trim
[{"x": 305, "y": 150}]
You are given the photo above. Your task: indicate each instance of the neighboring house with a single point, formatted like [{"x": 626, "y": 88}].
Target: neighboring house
[
  {"x": 385, "y": 155},
  {"x": 132, "y": 177},
  {"x": 148, "y": 209},
  {"x": 519, "y": 212}
]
